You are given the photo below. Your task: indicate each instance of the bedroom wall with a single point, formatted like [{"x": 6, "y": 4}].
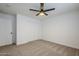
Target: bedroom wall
[
  {"x": 28, "y": 29},
  {"x": 63, "y": 29}
]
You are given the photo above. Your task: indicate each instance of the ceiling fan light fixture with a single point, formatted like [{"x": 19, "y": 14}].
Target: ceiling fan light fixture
[
  {"x": 42, "y": 11},
  {"x": 41, "y": 14}
]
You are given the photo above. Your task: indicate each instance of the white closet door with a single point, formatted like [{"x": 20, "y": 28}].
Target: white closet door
[{"x": 5, "y": 31}]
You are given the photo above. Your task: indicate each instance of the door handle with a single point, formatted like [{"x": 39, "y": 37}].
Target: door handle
[{"x": 11, "y": 33}]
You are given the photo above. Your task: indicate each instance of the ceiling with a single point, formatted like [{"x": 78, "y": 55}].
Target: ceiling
[{"x": 23, "y": 8}]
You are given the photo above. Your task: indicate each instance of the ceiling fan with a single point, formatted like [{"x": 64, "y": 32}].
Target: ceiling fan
[{"x": 41, "y": 11}]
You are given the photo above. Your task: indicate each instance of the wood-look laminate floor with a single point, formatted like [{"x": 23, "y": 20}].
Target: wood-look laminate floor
[{"x": 38, "y": 48}]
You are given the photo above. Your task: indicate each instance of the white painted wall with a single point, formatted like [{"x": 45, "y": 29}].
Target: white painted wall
[
  {"x": 5, "y": 29},
  {"x": 28, "y": 29},
  {"x": 14, "y": 29},
  {"x": 63, "y": 29}
]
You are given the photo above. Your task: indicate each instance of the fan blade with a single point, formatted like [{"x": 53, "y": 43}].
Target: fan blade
[
  {"x": 34, "y": 10},
  {"x": 46, "y": 14},
  {"x": 37, "y": 14},
  {"x": 49, "y": 9}
]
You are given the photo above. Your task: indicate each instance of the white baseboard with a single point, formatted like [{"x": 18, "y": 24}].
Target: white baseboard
[{"x": 6, "y": 43}]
